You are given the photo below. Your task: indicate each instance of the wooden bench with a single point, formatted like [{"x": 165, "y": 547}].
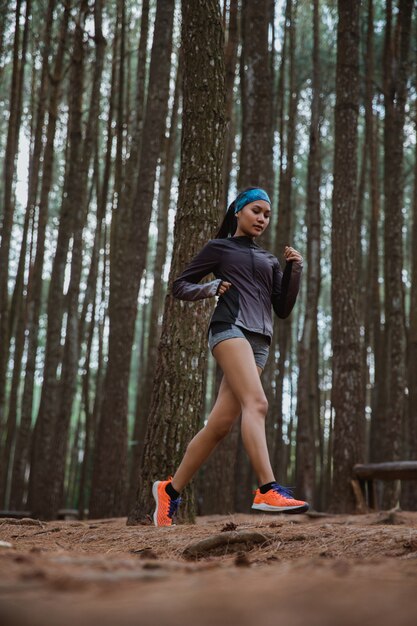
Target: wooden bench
[
  {"x": 364, "y": 477},
  {"x": 63, "y": 514},
  {"x": 15, "y": 514}
]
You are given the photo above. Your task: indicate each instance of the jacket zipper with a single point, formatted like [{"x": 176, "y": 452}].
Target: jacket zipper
[{"x": 252, "y": 255}]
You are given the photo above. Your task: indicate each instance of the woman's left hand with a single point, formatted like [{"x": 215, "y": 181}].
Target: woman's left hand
[{"x": 292, "y": 255}]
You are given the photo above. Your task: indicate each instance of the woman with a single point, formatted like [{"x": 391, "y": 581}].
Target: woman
[{"x": 248, "y": 280}]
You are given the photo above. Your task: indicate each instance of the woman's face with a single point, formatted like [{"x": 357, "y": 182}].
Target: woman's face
[{"x": 253, "y": 219}]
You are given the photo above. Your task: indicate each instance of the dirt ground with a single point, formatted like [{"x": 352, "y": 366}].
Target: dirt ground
[{"x": 316, "y": 569}]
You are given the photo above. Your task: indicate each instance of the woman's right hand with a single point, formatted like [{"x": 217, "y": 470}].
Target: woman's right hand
[{"x": 223, "y": 287}]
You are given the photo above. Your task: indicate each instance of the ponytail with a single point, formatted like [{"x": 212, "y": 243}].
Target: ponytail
[{"x": 229, "y": 223}]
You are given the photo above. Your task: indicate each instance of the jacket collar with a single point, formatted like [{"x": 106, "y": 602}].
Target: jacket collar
[{"x": 244, "y": 240}]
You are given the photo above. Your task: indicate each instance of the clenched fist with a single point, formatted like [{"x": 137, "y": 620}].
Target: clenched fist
[
  {"x": 223, "y": 287},
  {"x": 292, "y": 255}
]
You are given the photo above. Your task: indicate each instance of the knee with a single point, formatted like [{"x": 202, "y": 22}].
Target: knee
[
  {"x": 257, "y": 405},
  {"x": 219, "y": 431}
]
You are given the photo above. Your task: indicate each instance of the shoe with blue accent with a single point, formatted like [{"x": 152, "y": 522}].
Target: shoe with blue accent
[
  {"x": 279, "y": 499},
  {"x": 166, "y": 507}
]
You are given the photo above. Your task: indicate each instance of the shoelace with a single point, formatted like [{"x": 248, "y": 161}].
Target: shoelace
[
  {"x": 173, "y": 506},
  {"x": 287, "y": 492}
]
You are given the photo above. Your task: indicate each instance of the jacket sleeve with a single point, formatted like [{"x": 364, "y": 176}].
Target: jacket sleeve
[
  {"x": 185, "y": 287},
  {"x": 285, "y": 287}
]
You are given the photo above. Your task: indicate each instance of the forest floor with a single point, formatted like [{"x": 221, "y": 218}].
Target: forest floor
[{"x": 313, "y": 569}]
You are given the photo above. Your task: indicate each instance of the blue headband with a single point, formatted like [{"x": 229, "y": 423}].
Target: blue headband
[{"x": 250, "y": 196}]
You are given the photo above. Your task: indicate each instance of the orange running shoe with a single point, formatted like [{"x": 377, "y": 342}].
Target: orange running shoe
[
  {"x": 279, "y": 499},
  {"x": 166, "y": 507}
]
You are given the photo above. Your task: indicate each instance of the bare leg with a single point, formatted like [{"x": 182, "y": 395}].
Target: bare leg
[
  {"x": 226, "y": 410},
  {"x": 235, "y": 357}
]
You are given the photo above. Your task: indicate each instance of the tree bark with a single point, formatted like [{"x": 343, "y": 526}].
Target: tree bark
[
  {"x": 256, "y": 89},
  {"x": 92, "y": 413},
  {"x": 73, "y": 482},
  {"x": 137, "y": 126},
  {"x": 177, "y": 394},
  {"x": 92, "y": 428},
  {"x": 274, "y": 426},
  {"x": 147, "y": 377},
  {"x": 348, "y": 448},
  {"x": 256, "y": 157},
  {"x": 372, "y": 300},
  {"x": 395, "y": 94},
  {"x": 121, "y": 112},
  {"x": 308, "y": 391},
  {"x": 88, "y": 417},
  {"x": 4, "y": 8},
  {"x": 408, "y": 499},
  {"x": 283, "y": 237},
  {"x": 230, "y": 65}
]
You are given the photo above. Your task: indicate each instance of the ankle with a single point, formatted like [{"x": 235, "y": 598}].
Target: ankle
[
  {"x": 266, "y": 487},
  {"x": 171, "y": 491}
]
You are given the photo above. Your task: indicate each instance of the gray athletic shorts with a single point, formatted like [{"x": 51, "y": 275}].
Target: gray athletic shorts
[{"x": 259, "y": 343}]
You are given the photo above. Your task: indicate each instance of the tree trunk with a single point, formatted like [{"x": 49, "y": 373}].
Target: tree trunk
[
  {"x": 329, "y": 465},
  {"x": 178, "y": 388},
  {"x": 348, "y": 448},
  {"x": 35, "y": 282},
  {"x": 256, "y": 158},
  {"x": 408, "y": 499},
  {"x": 7, "y": 452},
  {"x": 307, "y": 392},
  {"x": 73, "y": 340},
  {"x": 137, "y": 126},
  {"x": 12, "y": 146},
  {"x": 88, "y": 417},
  {"x": 395, "y": 94},
  {"x": 274, "y": 426},
  {"x": 18, "y": 306},
  {"x": 92, "y": 428},
  {"x": 283, "y": 237},
  {"x": 121, "y": 113},
  {"x": 128, "y": 258},
  {"x": 4, "y": 8},
  {"x": 372, "y": 300},
  {"x": 147, "y": 377},
  {"x": 72, "y": 489},
  {"x": 230, "y": 65},
  {"x": 256, "y": 89},
  {"x": 42, "y": 498},
  {"x": 91, "y": 413}
]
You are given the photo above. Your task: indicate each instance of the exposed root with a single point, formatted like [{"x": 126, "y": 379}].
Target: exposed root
[{"x": 227, "y": 542}]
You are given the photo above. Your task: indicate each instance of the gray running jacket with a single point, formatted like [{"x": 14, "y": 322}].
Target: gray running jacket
[{"x": 257, "y": 283}]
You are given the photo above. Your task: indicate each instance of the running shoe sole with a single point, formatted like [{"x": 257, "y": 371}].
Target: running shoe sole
[
  {"x": 281, "y": 509},
  {"x": 155, "y": 497}
]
